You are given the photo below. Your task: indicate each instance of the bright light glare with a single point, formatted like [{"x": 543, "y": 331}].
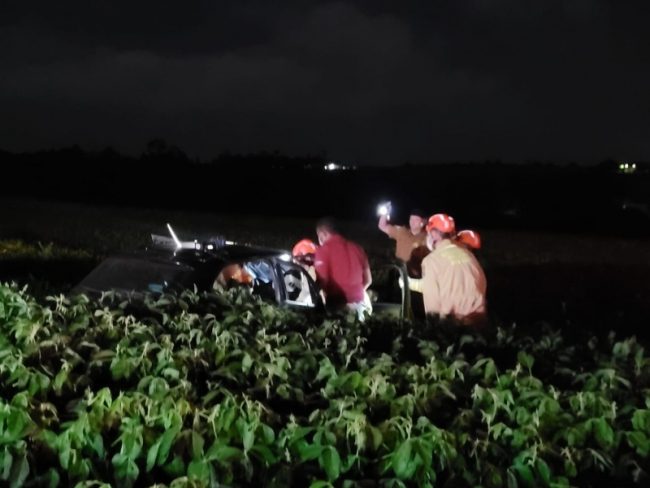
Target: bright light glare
[
  {"x": 383, "y": 209},
  {"x": 173, "y": 234},
  {"x": 285, "y": 257}
]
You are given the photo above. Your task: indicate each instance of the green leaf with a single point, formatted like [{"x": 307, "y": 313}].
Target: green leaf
[
  {"x": 402, "y": 461},
  {"x": 19, "y": 472},
  {"x": 309, "y": 452},
  {"x": 21, "y": 400},
  {"x": 604, "y": 433},
  {"x": 199, "y": 470},
  {"x": 268, "y": 434},
  {"x": 171, "y": 373},
  {"x": 7, "y": 461},
  {"x": 223, "y": 454},
  {"x": 152, "y": 455},
  {"x": 175, "y": 468},
  {"x": 54, "y": 478},
  {"x": 166, "y": 442},
  {"x": 64, "y": 456},
  {"x": 526, "y": 360},
  {"x": 375, "y": 437},
  {"x": 248, "y": 438},
  {"x": 197, "y": 445},
  {"x": 490, "y": 370},
  {"x": 640, "y": 442},
  {"x": 494, "y": 478},
  {"x": 570, "y": 468},
  {"x": 641, "y": 420},
  {"x": 246, "y": 363},
  {"x": 98, "y": 445},
  {"x": 512, "y": 480},
  {"x": 132, "y": 471},
  {"x": 330, "y": 461},
  {"x": 525, "y": 474},
  {"x": 264, "y": 453},
  {"x": 544, "y": 471},
  {"x": 321, "y": 484}
]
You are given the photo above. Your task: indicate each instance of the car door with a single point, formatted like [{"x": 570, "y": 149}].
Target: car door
[{"x": 387, "y": 297}]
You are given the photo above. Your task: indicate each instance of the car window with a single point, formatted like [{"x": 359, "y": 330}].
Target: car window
[
  {"x": 263, "y": 282},
  {"x": 138, "y": 275},
  {"x": 298, "y": 289}
]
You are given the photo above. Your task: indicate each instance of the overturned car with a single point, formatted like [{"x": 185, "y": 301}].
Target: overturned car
[{"x": 172, "y": 265}]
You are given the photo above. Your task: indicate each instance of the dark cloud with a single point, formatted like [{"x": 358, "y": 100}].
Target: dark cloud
[{"x": 373, "y": 81}]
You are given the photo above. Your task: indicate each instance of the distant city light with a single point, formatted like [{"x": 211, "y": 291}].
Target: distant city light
[
  {"x": 627, "y": 168},
  {"x": 333, "y": 166}
]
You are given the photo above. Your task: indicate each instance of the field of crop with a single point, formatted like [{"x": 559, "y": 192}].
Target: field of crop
[
  {"x": 229, "y": 391},
  {"x": 226, "y": 390}
]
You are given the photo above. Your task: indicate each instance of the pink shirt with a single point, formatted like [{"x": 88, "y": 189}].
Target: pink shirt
[{"x": 340, "y": 265}]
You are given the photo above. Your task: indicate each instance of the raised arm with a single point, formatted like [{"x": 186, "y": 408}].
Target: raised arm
[{"x": 383, "y": 224}]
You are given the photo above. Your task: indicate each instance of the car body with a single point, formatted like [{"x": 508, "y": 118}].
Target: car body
[{"x": 168, "y": 265}]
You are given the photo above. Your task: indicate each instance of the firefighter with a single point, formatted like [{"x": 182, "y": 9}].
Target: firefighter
[
  {"x": 470, "y": 239},
  {"x": 453, "y": 283},
  {"x": 303, "y": 253},
  {"x": 232, "y": 275}
]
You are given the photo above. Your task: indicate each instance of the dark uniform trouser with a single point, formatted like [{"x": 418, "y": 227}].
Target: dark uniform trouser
[
  {"x": 414, "y": 301},
  {"x": 417, "y": 306}
]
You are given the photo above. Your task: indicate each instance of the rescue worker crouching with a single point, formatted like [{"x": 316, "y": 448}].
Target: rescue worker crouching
[{"x": 304, "y": 253}]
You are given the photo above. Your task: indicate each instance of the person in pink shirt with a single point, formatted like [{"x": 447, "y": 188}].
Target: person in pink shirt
[{"x": 342, "y": 269}]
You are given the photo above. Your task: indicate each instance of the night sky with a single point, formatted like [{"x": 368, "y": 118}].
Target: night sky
[{"x": 368, "y": 81}]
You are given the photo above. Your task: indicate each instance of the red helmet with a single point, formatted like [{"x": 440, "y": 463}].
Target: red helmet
[
  {"x": 303, "y": 248},
  {"x": 469, "y": 238},
  {"x": 442, "y": 222}
]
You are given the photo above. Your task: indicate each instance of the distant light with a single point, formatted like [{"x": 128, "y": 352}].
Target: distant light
[
  {"x": 332, "y": 166},
  {"x": 285, "y": 257},
  {"x": 210, "y": 247},
  {"x": 229, "y": 243},
  {"x": 633, "y": 165}
]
